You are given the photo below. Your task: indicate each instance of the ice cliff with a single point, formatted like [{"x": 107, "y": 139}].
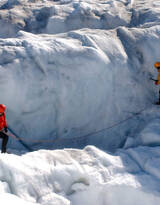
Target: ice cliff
[{"x": 77, "y": 73}]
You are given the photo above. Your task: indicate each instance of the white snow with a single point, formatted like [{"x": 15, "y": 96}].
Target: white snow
[
  {"x": 74, "y": 83},
  {"x": 7, "y": 198},
  {"x": 74, "y": 74},
  {"x": 88, "y": 176}
]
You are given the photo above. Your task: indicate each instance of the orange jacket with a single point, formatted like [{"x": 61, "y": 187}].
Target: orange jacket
[{"x": 3, "y": 122}]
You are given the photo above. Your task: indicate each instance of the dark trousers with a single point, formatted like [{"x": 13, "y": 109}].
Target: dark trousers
[{"x": 4, "y": 141}]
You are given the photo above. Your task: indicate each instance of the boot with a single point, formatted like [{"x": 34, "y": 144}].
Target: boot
[{"x": 3, "y": 150}]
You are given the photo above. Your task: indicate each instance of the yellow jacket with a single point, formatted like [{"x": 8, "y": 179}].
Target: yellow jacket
[{"x": 158, "y": 77}]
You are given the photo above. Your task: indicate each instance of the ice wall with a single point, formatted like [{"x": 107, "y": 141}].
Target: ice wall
[{"x": 70, "y": 85}]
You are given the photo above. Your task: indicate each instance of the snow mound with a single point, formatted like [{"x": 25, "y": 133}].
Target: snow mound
[
  {"x": 61, "y": 16},
  {"x": 88, "y": 176}
]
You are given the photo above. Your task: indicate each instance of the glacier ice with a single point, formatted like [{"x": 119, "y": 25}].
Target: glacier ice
[
  {"x": 73, "y": 84},
  {"x": 70, "y": 69}
]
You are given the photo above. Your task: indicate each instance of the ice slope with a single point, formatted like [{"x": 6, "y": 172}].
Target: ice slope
[{"x": 89, "y": 176}]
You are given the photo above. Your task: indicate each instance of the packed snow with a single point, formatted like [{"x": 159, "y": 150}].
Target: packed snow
[
  {"x": 75, "y": 77},
  {"x": 89, "y": 176}
]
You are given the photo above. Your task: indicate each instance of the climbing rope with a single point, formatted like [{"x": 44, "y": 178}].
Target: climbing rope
[
  {"x": 13, "y": 135},
  {"x": 22, "y": 139}
]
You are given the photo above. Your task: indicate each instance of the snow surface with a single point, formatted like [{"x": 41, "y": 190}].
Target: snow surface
[
  {"x": 79, "y": 82},
  {"x": 89, "y": 176},
  {"x": 77, "y": 73}
]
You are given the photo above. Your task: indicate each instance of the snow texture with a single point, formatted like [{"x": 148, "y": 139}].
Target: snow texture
[
  {"x": 80, "y": 82},
  {"x": 89, "y": 176},
  {"x": 75, "y": 74}
]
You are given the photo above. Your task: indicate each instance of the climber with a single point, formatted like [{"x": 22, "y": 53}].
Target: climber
[
  {"x": 3, "y": 128},
  {"x": 157, "y": 82}
]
